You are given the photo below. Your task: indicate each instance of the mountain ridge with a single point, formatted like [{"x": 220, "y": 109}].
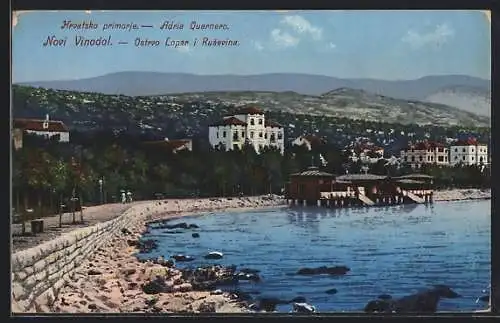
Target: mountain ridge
[{"x": 138, "y": 83}]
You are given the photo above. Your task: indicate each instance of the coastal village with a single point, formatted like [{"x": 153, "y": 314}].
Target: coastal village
[
  {"x": 250, "y": 126},
  {"x": 247, "y": 128}
]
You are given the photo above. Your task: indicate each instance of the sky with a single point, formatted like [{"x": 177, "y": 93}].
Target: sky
[{"x": 390, "y": 45}]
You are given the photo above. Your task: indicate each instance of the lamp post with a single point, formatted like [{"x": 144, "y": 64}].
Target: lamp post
[{"x": 101, "y": 182}]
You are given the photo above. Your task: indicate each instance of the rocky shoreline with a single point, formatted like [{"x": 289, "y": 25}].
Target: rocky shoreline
[
  {"x": 461, "y": 195},
  {"x": 114, "y": 280}
]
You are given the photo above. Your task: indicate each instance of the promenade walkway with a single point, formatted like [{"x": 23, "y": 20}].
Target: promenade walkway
[{"x": 91, "y": 216}]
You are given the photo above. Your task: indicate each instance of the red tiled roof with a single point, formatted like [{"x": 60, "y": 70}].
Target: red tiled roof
[
  {"x": 250, "y": 110},
  {"x": 231, "y": 121},
  {"x": 37, "y": 125},
  {"x": 467, "y": 142},
  {"x": 272, "y": 124}
]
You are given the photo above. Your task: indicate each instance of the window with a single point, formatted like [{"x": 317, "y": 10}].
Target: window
[
  {"x": 446, "y": 158},
  {"x": 456, "y": 157},
  {"x": 440, "y": 158},
  {"x": 260, "y": 134},
  {"x": 235, "y": 147},
  {"x": 428, "y": 158},
  {"x": 217, "y": 134},
  {"x": 251, "y": 134},
  {"x": 472, "y": 149},
  {"x": 463, "y": 150},
  {"x": 481, "y": 159},
  {"x": 463, "y": 158},
  {"x": 420, "y": 158},
  {"x": 280, "y": 136},
  {"x": 223, "y": 134},
  {"x": 432, "y": 158},
  {"x": 472, "y": 157},
  {"x": 260, "y": 121},
  {"x": 412, "y": 158},
  {"x": 265, "y": 136},
  {"x": 252, "y": 122},
  {"x": 412, "y": 150},
  {"x": 406, "y": 158},
  {"x": 261, "y": 147},
  {"x": 440, "y": 150},
  {"x": 273, "y": 137},
  {"x": 456, "y": 149},
  {"x": 235, "y": 135},
  {"x": 243, "y": 134}
]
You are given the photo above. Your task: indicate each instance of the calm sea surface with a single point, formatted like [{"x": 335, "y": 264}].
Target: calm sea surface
[{"x": 393, "y": 250}]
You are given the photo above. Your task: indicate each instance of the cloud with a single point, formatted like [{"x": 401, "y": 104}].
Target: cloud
[
  {"x": 301, "y": 26},
  {"x": 258, "y": 46},
  {"x": 184, "y": 49},
  {"x": 294, "y": 28},
  {"x": 436, "y": 37},
  {"x": 283, "y": 39}
]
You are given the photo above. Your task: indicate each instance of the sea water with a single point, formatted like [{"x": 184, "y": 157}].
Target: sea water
[{"x": 395, "y": 250}]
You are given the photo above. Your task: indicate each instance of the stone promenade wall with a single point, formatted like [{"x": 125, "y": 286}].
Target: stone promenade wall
[{"x": 38, "y": 273}]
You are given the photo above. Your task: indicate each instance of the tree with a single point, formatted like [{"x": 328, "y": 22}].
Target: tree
[
  {"x": 37, "y": 174},
  {"x": 59, "y": 175}
]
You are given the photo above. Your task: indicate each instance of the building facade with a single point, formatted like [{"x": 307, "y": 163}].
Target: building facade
[
  {"x": 425, "y": 152},
  {"x": 468, "y": 152},
  {"x": 248, "y": 125},
  {"x": 45, "y": 128}
]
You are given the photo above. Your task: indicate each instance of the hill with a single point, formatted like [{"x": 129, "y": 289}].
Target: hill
[
  {"x": 340, "y": 115},
  {"x": 472, "y": 99},
  {"x": 157, "y": 83},
  {"x": 344, "y": 103},
  {"x": 340, "y": 103}
]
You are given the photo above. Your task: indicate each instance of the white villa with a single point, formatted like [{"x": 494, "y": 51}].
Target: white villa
[
  {"x": 468, "y": 152},
  {"x": 45, "y": 128},
  {"x": 247, "y": 125}
]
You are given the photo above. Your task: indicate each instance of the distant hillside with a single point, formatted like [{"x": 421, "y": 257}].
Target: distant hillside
[
  {"x": 473, "y": 99},
  {"x": 156, "y": 83},
  {"x": 345, "y": 103},
  {"x": 90, "y": 109}
]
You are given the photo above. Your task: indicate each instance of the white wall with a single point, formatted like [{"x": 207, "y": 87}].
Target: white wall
[
  {"x": 469, "y": 155},
  {"x": 251, "y": 132},
  {"x": 63, "y": 136}
]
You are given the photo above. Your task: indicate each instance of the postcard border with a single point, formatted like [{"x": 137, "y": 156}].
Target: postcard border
[{"x": 342, "y": 4}]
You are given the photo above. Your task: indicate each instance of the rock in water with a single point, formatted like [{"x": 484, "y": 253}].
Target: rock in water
[
  {"x": 331, "y": 291},
  {"x": 195, "y": 235},
  {"x": 182, "y": 258},
  {"x": 214, "y": 255},
  {"x": 303, "y": 308}
]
